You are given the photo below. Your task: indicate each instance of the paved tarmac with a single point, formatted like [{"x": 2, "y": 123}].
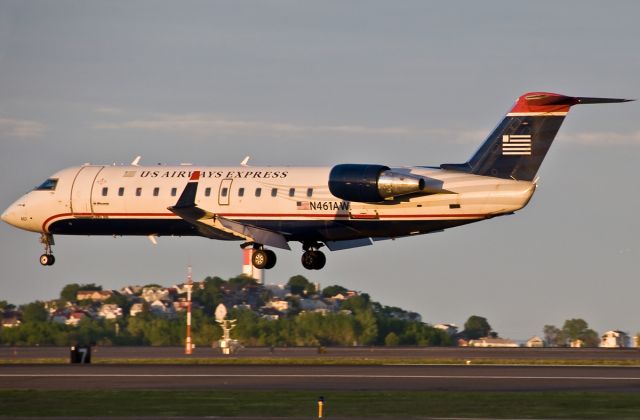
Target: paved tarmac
[
  {"x": 459, "y": 353},
  {"x": 353, "y": 378}
]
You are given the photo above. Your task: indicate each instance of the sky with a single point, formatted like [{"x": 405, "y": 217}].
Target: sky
[{"x": 321, "y": 83}]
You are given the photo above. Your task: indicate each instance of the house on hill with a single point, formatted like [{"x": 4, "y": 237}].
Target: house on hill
[
  {"x": 164, "y": 308},
  {"x": 131, "y": 290},
  {"x": 312, "y": 304},
  {"x": 344, "y": 296},
  {"x": 450, "y": 329},
  {"x": 75, "y": 317},
  {"x": 152, "y": 294},
  {"x": 577, "y": 343},
  {"x": 110, "y": 311},
  {"x": 278, "y": 304},
  {"x": 535, "y": 342},
  {"x": 94, "y": 295},
  {"x": 615, "y": 339},
  {"x": 11, "y": 321}
]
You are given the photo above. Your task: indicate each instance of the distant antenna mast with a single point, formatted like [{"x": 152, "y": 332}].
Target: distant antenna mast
[{"x": 188, "y": 345}]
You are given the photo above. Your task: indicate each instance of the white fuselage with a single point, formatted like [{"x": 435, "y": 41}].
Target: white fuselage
[{"x": 293, "y": 201}]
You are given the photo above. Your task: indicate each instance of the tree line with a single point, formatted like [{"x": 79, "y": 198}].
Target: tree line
[{"x": 360, "y": 321}]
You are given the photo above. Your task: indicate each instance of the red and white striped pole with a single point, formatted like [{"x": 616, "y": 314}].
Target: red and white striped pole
[{"x": 189, "y": 346}]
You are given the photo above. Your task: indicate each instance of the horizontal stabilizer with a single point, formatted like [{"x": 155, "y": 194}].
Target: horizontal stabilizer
[{"x": 583, "y": 100}]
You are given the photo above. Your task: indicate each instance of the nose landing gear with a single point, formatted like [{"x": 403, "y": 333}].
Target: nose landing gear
[{"x": 47, "y": 258}]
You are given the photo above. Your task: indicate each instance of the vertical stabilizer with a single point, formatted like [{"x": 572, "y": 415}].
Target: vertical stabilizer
[{"x": 517, "y": 146}]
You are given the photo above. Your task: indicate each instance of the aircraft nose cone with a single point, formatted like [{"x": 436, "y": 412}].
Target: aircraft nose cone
[
  {"x": 11, "y": 216},
  {"x": 5, "y": 216}
]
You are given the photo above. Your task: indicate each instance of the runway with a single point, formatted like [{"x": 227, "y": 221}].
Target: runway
[{"x": 354, "y": 378}]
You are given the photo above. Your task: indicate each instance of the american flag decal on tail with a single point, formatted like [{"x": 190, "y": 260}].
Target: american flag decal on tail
[{"x": 516, "y": 145}]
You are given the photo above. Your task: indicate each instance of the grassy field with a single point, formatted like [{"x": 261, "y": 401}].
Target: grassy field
[
  {"x": 304, "y": 404},
  {"x": 333, "y": 361}
]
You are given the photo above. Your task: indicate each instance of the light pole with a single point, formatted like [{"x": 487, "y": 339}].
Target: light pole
[{"x": 188, "y": 345}]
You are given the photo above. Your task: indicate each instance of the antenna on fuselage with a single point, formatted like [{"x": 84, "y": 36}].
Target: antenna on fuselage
[
  {"x": 136, "y": 161},
  {"x": 245, "y": 161}
]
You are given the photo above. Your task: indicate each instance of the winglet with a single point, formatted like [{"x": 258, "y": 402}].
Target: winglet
[
  {"x": 136, "y": 161},
  {"x": 188, "y": 196},
  {"x": 245, "y": 161}
]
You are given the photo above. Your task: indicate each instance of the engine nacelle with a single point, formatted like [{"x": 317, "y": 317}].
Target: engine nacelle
[{"x": 371, "y": 183}]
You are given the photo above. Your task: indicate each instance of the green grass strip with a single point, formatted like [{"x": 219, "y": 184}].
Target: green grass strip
[
  {"x": 585, "y": 405},
  {"x": 330, "y": 361}
]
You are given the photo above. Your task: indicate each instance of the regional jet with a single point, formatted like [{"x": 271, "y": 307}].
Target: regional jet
[{"x": 345, "y": 206}]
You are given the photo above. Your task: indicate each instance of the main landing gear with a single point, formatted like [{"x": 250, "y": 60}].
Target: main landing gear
[
  {"x": 263, "y": 258},
  {"x": 312, "y": 258},
  {"x": 47, "y": 258}
]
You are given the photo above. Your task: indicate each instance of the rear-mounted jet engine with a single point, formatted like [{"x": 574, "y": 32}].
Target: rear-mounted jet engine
[{"x": 371, "y": 183}]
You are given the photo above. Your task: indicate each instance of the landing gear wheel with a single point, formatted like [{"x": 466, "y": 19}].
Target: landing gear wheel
[
  {"x": 47, "y": 259},
  {"x": 259, "y": 258},
  {"x": 320, "y": 261},
  {"x": 313, "y": 260},
  {"x": 271, "y": 259}
]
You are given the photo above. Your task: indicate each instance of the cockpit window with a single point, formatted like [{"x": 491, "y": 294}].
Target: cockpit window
[{"x": 48, "y": 185}]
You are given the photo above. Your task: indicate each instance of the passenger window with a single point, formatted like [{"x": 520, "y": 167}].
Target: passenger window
[
  {"x": 174, "y": 191},
  {"x": 258, "y": 192},
  {"x": 274, "y": 192},
  {"x": 224, "y": 192},
  {"x": 207, "y": 192},
  {"x": 309, "y": 192},
  {"x": 156, "y": 191},
  {"x": 292, "y": 192},
  {"x": 240, "y": 192},
  {"x": 121, "y": 191},
  {"x": 105, "y": 191},
  {"x": 48, "y": 185},
  {"x": 138, "y": 192}
]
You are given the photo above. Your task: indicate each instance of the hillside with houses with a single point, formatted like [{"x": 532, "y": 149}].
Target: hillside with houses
[{"x": 298, "y": 313}]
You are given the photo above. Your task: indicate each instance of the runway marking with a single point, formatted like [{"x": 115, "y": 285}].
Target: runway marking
[
  {"x": 527, "y": 365},
  {"x": 160, "y": 375}
]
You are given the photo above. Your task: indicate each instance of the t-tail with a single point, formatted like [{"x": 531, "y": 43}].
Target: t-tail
[{"x": 516, "y": 147}]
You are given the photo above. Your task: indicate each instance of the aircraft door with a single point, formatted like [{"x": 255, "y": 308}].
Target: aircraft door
[
  {"x": 225, "y": 192},
  {"x": 81, "y": 190}
]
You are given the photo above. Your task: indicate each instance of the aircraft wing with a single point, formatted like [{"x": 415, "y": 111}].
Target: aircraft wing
[
  {"x": 198, "y": 217},
  {"x": 214, "y": 226},
  {"x": 257, "y": 234}
]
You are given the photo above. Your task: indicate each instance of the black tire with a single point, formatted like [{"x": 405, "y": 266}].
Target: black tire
[
  {"x": 47, "y": 259},
  {"x": 259, "y": 259},
  {"x": 321, "y": 260},
  {"x": 308, "y": 260},
  {"x": 313, "y": 260},
  {"x": 52, "y": 259},
  {"x": 271, "y": 259}
]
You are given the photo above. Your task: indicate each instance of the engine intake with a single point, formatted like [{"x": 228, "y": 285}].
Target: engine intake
[{"x": 371, "y": 183}]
